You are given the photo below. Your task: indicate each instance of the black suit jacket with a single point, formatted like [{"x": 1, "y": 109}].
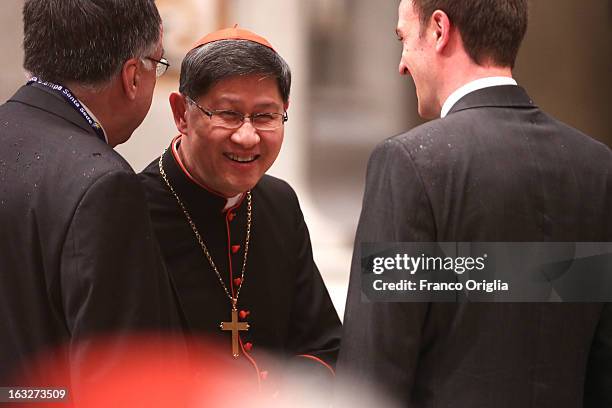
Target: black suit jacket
[
  {"x": 496, "y": 168},
  {"x": 77, "y": 257}
]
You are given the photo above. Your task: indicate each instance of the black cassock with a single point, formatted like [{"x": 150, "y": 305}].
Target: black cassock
[{"x": 283, "y": 297}]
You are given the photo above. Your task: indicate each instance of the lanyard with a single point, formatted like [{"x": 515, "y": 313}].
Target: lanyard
[{"x": 74, "y": 102}]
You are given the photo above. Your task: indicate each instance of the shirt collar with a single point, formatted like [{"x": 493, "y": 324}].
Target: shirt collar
[{"x": 472, "y": 86}]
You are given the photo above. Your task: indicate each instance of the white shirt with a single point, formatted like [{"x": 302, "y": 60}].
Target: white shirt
[{"x": 471, "y": 87}]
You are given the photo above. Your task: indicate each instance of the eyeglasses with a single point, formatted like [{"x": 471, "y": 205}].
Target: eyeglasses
[
  {"x": 230, "y": 119},
  {"x": 161, "y": 66}
]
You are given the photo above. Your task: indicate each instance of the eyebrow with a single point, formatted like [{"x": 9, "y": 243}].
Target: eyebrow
[
  {"x": 262, "y": 105},
  {"x": 266, "y": 105},
  {"x": 228, "y": 98}
]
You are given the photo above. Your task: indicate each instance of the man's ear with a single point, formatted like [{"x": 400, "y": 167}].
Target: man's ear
[
  {"x": 178, "y": 104},
  {"x": 441, "y": 26},
  {"x": 130, "y": 77}
]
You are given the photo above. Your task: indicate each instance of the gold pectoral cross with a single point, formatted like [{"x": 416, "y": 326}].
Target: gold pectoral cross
[{"x": 235, "y": 326}]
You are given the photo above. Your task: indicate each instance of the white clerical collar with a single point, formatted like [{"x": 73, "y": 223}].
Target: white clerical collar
[
  {"x": 232, "y": 201},
  {"x": 471, "y": 87},
  {"x": 95, "y": 119}
]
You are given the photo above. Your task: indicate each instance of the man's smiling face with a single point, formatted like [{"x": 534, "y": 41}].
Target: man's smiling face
[
  {"x": 232, "y": 161},
  {"x": 417, "y": 60}
]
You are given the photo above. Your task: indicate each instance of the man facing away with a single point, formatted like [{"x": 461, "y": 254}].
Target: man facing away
[
  {"x": 233, "y": 238},
  {"x": 493, "y": 168},
  {"x": 78, "y": 259}
]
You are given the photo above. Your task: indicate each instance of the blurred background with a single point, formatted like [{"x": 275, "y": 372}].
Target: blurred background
[{"x": 347, "y": 94}]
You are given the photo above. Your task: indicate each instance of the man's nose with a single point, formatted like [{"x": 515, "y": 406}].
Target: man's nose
[
  {"x": 246, "y": 135},
  {"x": 403, "y": 69}
]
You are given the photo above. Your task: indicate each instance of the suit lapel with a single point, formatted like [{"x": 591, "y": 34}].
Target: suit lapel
[
  {"x": 504, "y": 96},
  {"x": 38, "y": 96}
]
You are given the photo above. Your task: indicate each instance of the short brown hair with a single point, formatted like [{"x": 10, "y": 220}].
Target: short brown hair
[{"x": 492, "y": 30}]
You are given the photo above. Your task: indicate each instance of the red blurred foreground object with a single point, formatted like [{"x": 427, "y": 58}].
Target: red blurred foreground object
[{"x": 144, "y": 373}]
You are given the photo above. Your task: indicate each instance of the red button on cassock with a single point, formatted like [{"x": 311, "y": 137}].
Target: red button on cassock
[
  {"x": 243, "y": 314},
  {"x": 235, "y": 248},
  {"x": 248, "y": 346},
  {"x": 237, "y": 282}
]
